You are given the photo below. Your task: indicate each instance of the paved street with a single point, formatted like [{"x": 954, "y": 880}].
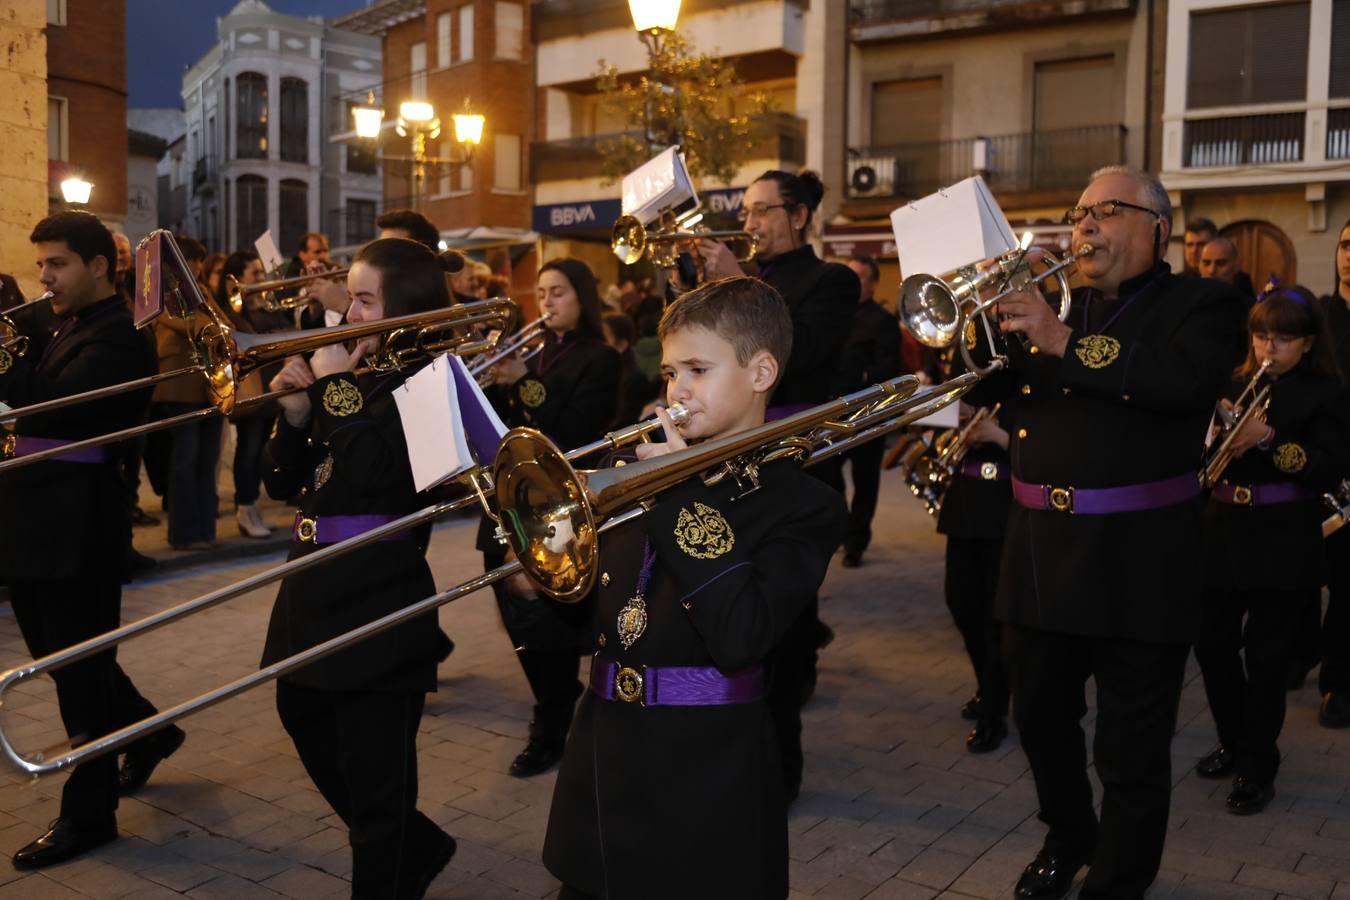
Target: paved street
[{"x": 893, "y": 807}]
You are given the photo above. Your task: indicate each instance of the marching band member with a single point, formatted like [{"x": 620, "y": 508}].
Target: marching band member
[
  {"x": 63, "y": 545},
  {"x": 679, "y": 795},
  {"x": 1100, "y": 575},
  {"x": 1264, "y": 554},
  {"x": 1333, "y": 682},
  {"x": 354, "y": 715},
  {"x": 569, "y": 391}
]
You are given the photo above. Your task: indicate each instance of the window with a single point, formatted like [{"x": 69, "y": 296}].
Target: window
[
  {"x": 510, "y": 30},
  {"x": 417, "y": 65},
  {"x": 58, "y": 125},
  {"x": 251, "y": 114},
  {"x": 294, "y": 120},
  {"x": 506, "y": 162},
  {"x": 1340, "y": 49},
  {"x": 56, "y": 12},
  {"x": 293, "y": 215},
  {"x": 1071, "y": 93},
  {"x": 443, "y": 40},
  {"x": 360, "y": 221},
  {"x": 1249, "y": 55},
  {"x": 250, "y": 193},
  {"x": 907, "y": 112},
  {"x": 466, "y": 32}
]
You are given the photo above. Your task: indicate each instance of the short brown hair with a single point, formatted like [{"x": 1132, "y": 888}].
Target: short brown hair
[{"x": 745, "y": 312}]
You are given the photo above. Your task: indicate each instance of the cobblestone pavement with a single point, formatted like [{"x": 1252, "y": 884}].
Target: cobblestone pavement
[{"x": 893, "y": 806}]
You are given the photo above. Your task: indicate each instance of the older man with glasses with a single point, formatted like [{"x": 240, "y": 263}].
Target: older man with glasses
[{"x": 1100, "y": 575}]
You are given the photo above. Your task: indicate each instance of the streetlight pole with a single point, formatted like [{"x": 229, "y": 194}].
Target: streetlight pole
[{"x": 653, "y": 20}]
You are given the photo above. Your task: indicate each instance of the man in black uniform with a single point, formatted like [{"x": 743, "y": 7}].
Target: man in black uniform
[
  {"x": 872, "y": 354},
  {"x": 63, "y": 542},
  {"x": 1334, "y": 679},
  {"x": 1100, "y": 575}
]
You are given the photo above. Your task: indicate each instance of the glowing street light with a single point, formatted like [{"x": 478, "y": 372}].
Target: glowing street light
[
  {"x": 76, "y": 190},
  {"x": 468, "y": 129},
  {"x": 654, "y": 18},
  {"x": 369, "y": 118}
]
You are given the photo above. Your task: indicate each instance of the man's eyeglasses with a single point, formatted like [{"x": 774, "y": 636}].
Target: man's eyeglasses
[
  {"x": 1104, "y": 210},
  {"x": 759, "y": 210}
]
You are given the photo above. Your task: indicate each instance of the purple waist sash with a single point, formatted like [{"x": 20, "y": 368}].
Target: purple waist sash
[
  {"x": 774, "y": 413},
  {"x": 1104, "y": 501},
  {"x": 675, "y": 685},
  {"x": 986, "y": 471},
  {"x": 23, "y": 445},
  {"x": 1260, "y": 494},
  {"x": 333, "y": 529}
]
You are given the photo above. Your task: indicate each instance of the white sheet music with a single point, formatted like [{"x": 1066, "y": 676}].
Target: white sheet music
[
  {"x": 954, "y": 227},
  {"x": 448, "y": 424}
]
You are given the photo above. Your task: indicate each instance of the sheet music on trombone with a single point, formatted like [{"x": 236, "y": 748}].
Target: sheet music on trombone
[
  {"x": 448, "y": 423},
  {"x": 953, "y": 227}
]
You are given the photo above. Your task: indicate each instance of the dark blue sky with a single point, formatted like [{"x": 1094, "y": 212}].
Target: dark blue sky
[{"x": 164, "y": 37}]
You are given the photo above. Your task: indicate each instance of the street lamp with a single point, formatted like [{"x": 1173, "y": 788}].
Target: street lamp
[
  {"x": 76, "y": 190},
  {"x": 417, "y": 119},
  {"x": 654, "y": 19},
  {"x": 368, "y": 118}
]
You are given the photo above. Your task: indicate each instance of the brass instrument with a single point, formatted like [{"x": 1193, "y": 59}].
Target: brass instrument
[
  {"x": 528, "y": 341},
  {"x": 12, "y": 339},
  {"x": 1250, "y": 405},
  {"x": 930, "y": 477},
  {"x": 224, "y": 357},
  {"x": 938, "y": 311},
  {"x": 241, "y": 293},
  {"x": 41, "y": 764},
  {"x": 1339, "y": 504},
  {"x": 629, "y": 240}
]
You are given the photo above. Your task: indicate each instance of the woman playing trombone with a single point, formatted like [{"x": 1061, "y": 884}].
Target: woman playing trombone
[{"x": 354, "y": 715}]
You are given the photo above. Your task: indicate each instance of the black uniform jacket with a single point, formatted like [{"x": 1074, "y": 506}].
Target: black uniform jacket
[
  {"x": 872, "y": 353},
  {"x": 68, "y": 519},
  {"x": 1338, "y": 320},
  {"x": 1128, "y": 403},
  {"x": 1279, "y": 546},
  {"x": 352, "y": 460},
  {"x": 679, "y": 802},
  {"x": 977, "y": 507},
  {"x": 822, "y": 298}
]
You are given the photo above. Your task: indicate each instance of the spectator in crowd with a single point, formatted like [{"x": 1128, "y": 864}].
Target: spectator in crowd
[
  {"x": 635, "y": 389},
  {"x": 1219, "y": 260},
  {"x": 407, "y": 223},
  {"x": 1199, "y": 232}
]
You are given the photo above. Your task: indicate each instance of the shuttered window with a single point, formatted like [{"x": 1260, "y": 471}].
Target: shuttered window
[
  {"x": 1248, "y": 55},
  {"x": 1340, "y": 49},
  {"x": 907, "y": 112}
]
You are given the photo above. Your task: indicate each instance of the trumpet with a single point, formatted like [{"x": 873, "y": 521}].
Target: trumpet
[
  {"x": 930, "y": 477},
  {"x": 12, "y": 339},
  {"x": 1251, "y": 405},
  {"x": 937, "y": 310},
  {"x": 629, "y": 240},
  {"x": 528, "y": 341},
  {"x": 241, "y": 293},
  {"x": 1339, "y": 504}
]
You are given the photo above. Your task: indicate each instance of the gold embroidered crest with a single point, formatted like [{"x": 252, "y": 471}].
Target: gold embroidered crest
[
  {"x": 342, "y": 398},
  {"x": 1290, "y": 458},
  {"x": 703, "y": 533},
  {"x": 532, "y": 392},
  {"x": 6, "y": 360},
  {"x": 1097, "y": 351},
  {"x": 146, "y": 274}
]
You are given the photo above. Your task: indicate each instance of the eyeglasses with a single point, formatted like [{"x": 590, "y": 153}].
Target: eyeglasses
[
  {"x": 1275, "y": 340},
  {"x": 1104, "y": 210},
  {"x": 759, "y": 210}
]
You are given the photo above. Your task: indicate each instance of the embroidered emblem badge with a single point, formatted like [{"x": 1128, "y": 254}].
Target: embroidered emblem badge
[
  {"x": 703, "y": 533},
  {"x": 323, "y": 471},
  {"x": 1290, "y": 458},
  {"x": 532, "y": 392},
  {"x": 6, "y": 360},
  {"x": 342, "y": 398},
  {"x": 632, "y": 620},
  {"x": 1097, "y": 351}
]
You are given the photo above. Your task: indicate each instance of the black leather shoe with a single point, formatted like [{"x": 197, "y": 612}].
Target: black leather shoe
[
  {"x": 534, "y": 759},
  {"x": 1218, "y": 764},
  {"x": 1048, "y": 877},
  {"x": 142, "y": 757},
  {"x": 140, "y": 518},
  {"x": 970, "y": 710},
  {"x": 443, "y": 855},
  {"x": 852, "y": 560},
  {"x": 1335, "y": 711},
  {"x": 64, "y": 840},
  {"x": 987, "y": 735},
  {"x": 1249, "y": 797}
]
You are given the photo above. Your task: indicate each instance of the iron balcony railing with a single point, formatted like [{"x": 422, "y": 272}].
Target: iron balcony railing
[
  {"x": 1032, "y": 161},
  {"x": 1244, "y": 140},
  {"x": 1338, "y": 133}
]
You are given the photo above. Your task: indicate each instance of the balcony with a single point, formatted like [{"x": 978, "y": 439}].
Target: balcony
[
  {"x": 1338, "y": 133},
  {"x": 782, "y": 137},
  {"x": 1244, "y": 140},
  {"x": 1270, "y": 145},
  {"x": 887, "y": 20},
  {"x": 204, "y": 175},
  {"x": 1010, "y": 163}
]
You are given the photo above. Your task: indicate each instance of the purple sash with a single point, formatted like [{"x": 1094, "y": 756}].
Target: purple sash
[
  {"x": 23, "y": 445},
  {"x": 1104, "y": 501},
  {"x": 333, "y": 529},
  {"x": 675, "y": 685},
  {"x": 986, "y": 471},
  {"x": 1260, "y": 494}
]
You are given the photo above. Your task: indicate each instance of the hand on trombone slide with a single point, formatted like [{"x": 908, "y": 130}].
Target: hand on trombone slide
[{"x": 674, "y": 440}]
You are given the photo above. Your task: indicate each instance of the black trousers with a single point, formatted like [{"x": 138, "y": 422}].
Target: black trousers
[
  {"x": 865, "y": 468},
  {"x": 549, "y": 640},
  {"x": 95, "y": 695},
  {"x": 969, "y": 585},
  {"x": 1248, "y": 702},
  {"x": 792, "y": 666},
  {"x": 360, "y": 750},
  {"x": 1138, "y": 688},
  {"x": 1335, "y": 674}
]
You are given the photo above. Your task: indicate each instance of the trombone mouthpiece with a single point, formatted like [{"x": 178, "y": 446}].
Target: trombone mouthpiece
[{"x": 678, "y": 413}]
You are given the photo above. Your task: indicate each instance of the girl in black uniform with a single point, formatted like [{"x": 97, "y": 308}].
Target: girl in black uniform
[
  {"x": 569, "y": 391},
  {"x": 1264, "y": 552},
  {"x": 354, "y": 715}
]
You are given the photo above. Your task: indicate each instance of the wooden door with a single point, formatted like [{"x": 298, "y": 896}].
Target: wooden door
[{"x": 1263, "y": 250}]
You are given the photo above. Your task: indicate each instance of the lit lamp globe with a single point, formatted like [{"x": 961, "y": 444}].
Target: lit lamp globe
[
  {"x": 654, "y": 17},
  {"x": 416, "y": 111},
  {"x": 368, "y": 121},
  {"x": 468, "y": 128},
  {"x": 76, "y": 190}
]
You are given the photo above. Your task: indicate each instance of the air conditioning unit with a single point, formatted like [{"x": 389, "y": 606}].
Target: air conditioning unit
[{"x": 871, "y": 176}]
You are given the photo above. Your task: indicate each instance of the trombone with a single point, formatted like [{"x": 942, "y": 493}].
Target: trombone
[
  {"x": 929, "y": 478},
  {"x": 1250, "y": 405},
  {"x": 629, "y": 240},
  {"x": 938, "y": 311},
  {"x": 529, "y": 341},
  {"x": 241, "y": 293}
]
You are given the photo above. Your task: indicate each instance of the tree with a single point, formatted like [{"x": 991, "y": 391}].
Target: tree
[{"x": 696, "y": 101}]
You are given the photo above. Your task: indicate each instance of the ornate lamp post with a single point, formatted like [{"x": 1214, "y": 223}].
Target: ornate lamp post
[
  {"x": 654, "y": 19},
  {"x": 417, "y": 120}
]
